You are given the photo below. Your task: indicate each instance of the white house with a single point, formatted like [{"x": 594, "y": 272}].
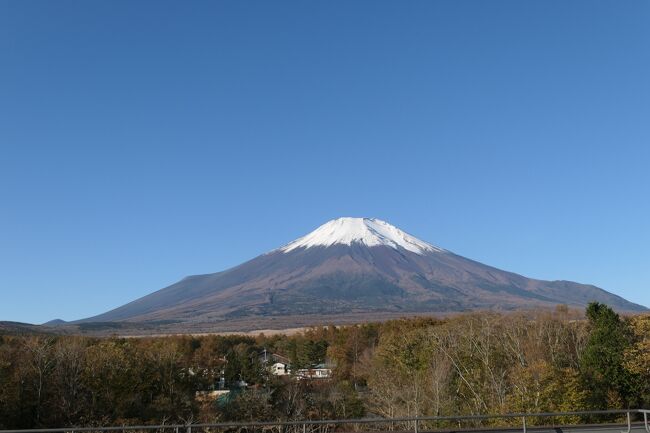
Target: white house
[
  {"x": 279, "y": 369},
  {"x": 275, "y": 364}
]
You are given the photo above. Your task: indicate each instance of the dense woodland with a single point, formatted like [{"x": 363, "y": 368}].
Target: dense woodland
[{"x": 478, "y": 363}]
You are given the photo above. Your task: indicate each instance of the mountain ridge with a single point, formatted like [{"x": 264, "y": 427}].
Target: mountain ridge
[{"x": 348, "y": 266}]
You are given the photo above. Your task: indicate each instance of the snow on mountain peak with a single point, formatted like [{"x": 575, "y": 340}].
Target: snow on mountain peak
[{"x": 367, "y": 231}]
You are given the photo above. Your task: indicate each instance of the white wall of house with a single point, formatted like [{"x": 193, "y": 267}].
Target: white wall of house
[{"x": 279, "y": 369}]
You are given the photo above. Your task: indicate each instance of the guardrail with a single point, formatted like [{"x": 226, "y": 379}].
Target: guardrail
[{"x": 408, "y": 424}]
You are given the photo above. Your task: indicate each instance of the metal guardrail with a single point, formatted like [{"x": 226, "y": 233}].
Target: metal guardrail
[{"x": 300, "y": 426}]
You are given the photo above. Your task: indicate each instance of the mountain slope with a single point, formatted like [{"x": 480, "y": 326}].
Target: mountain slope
[{"x": 353, "y": 265}]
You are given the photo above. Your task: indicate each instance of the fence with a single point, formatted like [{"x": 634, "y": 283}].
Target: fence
[{"x": 517, "y": 422}]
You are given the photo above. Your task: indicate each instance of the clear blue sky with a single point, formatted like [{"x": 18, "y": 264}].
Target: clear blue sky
[{"x": 143, "y": 141}]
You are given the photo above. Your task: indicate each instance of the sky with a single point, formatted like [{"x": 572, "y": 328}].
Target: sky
[{"x": 144, "y": 141}]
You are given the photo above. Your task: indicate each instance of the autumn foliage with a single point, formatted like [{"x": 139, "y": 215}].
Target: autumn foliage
[{"x": 475, "y": 363}]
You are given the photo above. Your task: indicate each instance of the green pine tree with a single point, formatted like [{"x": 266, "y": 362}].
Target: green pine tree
[{"x": 607, "y": 383}]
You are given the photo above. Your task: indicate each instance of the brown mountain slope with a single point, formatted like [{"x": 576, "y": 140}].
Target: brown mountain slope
[{"x": 343, "y": 279}]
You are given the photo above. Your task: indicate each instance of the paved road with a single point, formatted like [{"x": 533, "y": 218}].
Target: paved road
[
  {"x": 636, "y": 428},
  {"x": 595, "y": 428}
]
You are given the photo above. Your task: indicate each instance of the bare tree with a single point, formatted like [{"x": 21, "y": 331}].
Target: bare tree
[{"x": 40, "y": 359}]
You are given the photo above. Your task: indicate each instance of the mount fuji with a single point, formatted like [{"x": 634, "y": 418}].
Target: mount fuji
[{"x": 351, "y": 267}]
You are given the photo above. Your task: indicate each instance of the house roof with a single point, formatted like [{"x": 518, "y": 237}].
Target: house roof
[{"x": 274, "y": 357}]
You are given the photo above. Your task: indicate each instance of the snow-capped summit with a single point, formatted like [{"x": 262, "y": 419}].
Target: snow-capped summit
[{"x": 367, "y": 231}]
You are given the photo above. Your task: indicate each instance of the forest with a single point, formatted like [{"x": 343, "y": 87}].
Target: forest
[{"x": 473, "y": 363}]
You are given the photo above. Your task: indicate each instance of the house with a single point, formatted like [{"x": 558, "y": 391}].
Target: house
[
  {"x": 277, "y": 365},
  {"x": 319, "y": 371},
  {"x": 279, "y": 369}
]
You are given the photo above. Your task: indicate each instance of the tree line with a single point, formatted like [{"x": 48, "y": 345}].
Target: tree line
[{"x": 474, "y": 363}]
